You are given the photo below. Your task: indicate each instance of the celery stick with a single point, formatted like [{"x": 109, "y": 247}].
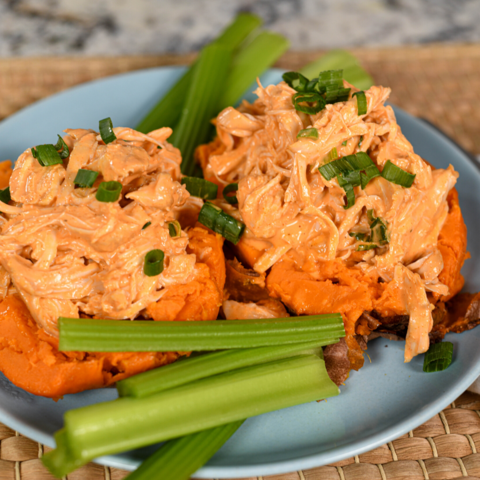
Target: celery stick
[
  {"x": 202, "y": 366},
  {"x": 61, "y": 461},
  {"x": 178, "y": 459},
  {"x": 208, "y": 82},
  {"x": 250, "y": 62},
  {"x": 128, "y": 423},
  {"x": 92, "y": 335},
  {"x": 167, "y": 111},
  {"x": 336, "y": 60}
]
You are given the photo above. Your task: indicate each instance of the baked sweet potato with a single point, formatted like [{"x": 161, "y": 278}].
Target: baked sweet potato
[{"x": 30, "y": 359}]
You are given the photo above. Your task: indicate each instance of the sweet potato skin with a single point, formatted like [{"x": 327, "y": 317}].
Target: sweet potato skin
[{"x": 30, "y": 358}]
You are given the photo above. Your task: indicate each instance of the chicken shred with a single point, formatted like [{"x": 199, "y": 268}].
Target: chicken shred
[
  {"x": 291, "y": 210},
  {"x": 66, "y": 253}
]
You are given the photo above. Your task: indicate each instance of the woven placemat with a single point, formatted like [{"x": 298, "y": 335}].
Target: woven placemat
[
  {"x": 443, "y": 448},
  {"x": 438, "y": 82}
]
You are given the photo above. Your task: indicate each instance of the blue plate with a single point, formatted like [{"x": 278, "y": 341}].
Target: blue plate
[{"x": 381, "y": 402}]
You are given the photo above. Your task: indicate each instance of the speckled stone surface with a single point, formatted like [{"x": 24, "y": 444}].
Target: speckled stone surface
[{"x": 116, "y": 27}]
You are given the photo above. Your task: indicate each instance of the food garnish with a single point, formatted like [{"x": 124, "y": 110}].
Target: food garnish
[
  {"x": 153, "y": 265},
  {"x": 220, "y": 222},
  {"x": 230, "y": 188},
  {"x": 106, "y": 130},
  {"x": 438, "y": 357},
  {"x": 109, "y": 192},
  {"x": 397, "y": 175},
  {"x": 198, "y": 187},
  {"x": 47, "y": 155},
  {"x": 85, "y": 178}
]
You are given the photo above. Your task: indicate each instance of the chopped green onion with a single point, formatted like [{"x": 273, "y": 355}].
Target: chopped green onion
[
  {"x": 379, "y": 234},
  {"x": 168, "y": 110},
  {"x": 337, "y": 167},
  {"x": 360, "y": 161},
  {"x": 249, "y": 63},
  {"x": 344, "y": 143},
  {"x": 366, "y": 246},
  {"x": 146, "y": 225},
  {"x": 208, "y": 81},
  {"x": 153, "y": 264},
  {"x": 335, "y": 59},
  {"x": 353, "y": 178},
  {"x": 106, "y": 130},
  {"x": 332, "y": 155},
  {"x": 85, "y": 178},
  {"x": 371, "y": 172},
  {"x": 92, "y": 335},
  {"x": 47, "y": 155},
  {"x": 5, "y": 195},
  {"x": 371, "y": 217},
  {"x": 360, "y": 141},
  {"x": 220, "y": 222},
  {"x": 438, "y": 357},
  {"x": 334, "y": 95},
  {"x": 397, "y": 175},
  {"x": 174, "y": 229},
  {"x": 297, "y": 81},
  {"x": 62, "y": 147},
  {"x": 109, "y": 192},
  {"x": 349, "y": 192},
  {"x": 198, "y": 187},
  {"x": 308, "y": 133},
  {"x": 230, "y": 188},
  {"x": 129, "y": 423},
  {"x": 358, "y": 235},
  {"x": 308, "y": 97},
  {"x": 202, "y": 366},
  {"x": 361, "y": 102},
  {"x": 178, "y": 459},
  {"x": 332, "y": 79}
]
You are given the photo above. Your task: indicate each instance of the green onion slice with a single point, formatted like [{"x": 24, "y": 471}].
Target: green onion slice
[
  {"x": 308, "y": 133},
  {"x": 329, "y": 79},
  {"x": 62, "y": 147},
  {"x": 231, "y": 199},
  {"x": 366, "y": 246},
  {"x": 174, "y": 229},
  {"x": 220, "y": 222},
  {"x": 47, "y": 155},
  {"x": 361, "y": 102},
  {"x": 333, "y": 95},
  {"x": 332, "y": 155},
  {"x": 153, "y": 264},
  {"x": 146, "y": 225},
  {"x": 106, "y": 130},
  {"x": 85, "y": 178},
  {"x": 311, "y": 98},
  {"x": 108, "y": 192},
  {"x": 360, "y": 141},
  {"x": 198, "y": 187},
  {"x": 358, "y": 235},
  {"x": 297, "y": 81},
  {"x": 349, "y": 192},
  {"x": 438, "y": 357},
  {"x": 353, "y": 178},
  {"x": 370, "y": 173},
  {"x": 397, "y": 175},
  {"x": 5, "y": 195},
  {"x": 344, "y": 143}
]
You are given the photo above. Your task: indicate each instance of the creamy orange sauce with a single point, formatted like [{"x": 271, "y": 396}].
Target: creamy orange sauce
[
  {"x": 65, "y": 253},
  {"x": 290, "y": 209}
]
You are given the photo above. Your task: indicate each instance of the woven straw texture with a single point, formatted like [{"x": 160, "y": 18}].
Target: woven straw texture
[{"x": 438, "y": 82}]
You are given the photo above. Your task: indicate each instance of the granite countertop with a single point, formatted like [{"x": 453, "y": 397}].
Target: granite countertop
[{"x": 116, "y": 27}]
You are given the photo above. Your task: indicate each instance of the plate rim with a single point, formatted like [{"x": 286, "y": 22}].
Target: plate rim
[{"x": 370, "y": 442}]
